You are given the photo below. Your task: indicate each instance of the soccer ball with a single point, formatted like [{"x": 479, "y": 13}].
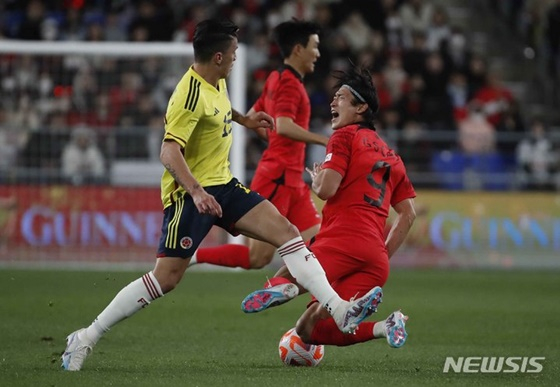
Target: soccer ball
[{"x": 294, "y": 352}]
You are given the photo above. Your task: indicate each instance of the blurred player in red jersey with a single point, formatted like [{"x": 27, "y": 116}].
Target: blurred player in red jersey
[
  {"x": 279, "y": 174},
  {"x": 361, "y": 178}
]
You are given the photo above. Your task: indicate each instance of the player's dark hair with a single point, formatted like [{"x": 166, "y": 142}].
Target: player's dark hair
[
  {"x": 362, "y": 89},
  {"x": 291, "y": 33},
  {"x": 212, "y": 36}
]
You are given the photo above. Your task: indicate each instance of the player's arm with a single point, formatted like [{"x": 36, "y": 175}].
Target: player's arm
[
  {"x": 262, "y": 132},
  {"x": 259, "y": 122},
  {"x": 285, "y": 126},
  {"x": 325, "y": 181},
  {"x": 401, "y": 226},
  {"x": 171, "y": 157}
]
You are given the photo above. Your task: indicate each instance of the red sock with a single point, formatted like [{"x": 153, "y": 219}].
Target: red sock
[
  {"x": 226, "y": 255},
  {"x": 276, "y": 281},
  {"x": 326, "y": 332}
]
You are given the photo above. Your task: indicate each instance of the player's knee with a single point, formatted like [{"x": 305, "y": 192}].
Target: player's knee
[
  {"x": 258, "y": 261},
  {"x": 168, "y": 282},
  {"x": 291, "y": 232}
]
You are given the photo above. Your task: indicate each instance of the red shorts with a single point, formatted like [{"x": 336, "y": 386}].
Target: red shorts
[
  {"x": 295, "y": 203},
  {"x": 352, "y": 276}
]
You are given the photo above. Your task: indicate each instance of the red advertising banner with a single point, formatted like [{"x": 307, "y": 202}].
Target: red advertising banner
[
  {"x": 69, "y": 223},
  {"x": 92, "y": 225}
]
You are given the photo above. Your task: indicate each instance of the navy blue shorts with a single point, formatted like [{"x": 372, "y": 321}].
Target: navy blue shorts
[{"x": 184, "y": 227}]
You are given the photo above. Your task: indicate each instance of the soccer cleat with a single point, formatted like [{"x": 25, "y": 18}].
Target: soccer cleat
[
  {"x": 394, "y": 328},
  {"x": 263, "y": 299},
  {"x": 75, "y": 353},
  {"x": 358, "y": 310}
]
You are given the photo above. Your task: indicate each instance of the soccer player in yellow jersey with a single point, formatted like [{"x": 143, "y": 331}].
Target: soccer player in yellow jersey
[{"x": 199, "y": 191}]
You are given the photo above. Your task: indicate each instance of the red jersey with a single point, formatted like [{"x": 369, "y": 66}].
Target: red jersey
[
  {"x": 495, "y": 101},
  {"x": 373, "y": 179},
  {"x": 284, "y": 95}
]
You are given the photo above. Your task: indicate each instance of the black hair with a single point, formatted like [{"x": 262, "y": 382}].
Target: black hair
[
  {"x": 361, "y": 82},
  {"x": 212, "y": 36},
  {"x": 291, "y": 33}
]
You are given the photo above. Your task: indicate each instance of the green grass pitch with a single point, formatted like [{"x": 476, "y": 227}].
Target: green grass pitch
[{"x": 197, "y": 335}]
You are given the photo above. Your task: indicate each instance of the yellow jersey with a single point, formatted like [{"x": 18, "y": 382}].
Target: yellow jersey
[{"x": 198, "y": 118}]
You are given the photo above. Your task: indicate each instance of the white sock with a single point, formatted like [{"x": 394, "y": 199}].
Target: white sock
[
  {"x": 135, "y": 296},
  {"x": 305, "y": 268},
  {"x": 379, "y": 329},
  {"x": 193, "y": 260}
]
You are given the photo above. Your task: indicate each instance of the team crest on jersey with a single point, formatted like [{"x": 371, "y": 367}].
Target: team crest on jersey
[
  {"x": 186, "y": 243},
  {"x": 328, "y": 157}
]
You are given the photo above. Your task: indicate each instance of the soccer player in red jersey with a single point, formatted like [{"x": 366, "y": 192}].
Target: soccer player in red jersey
[
  {"x": 361, "y": 178},
  {"x": 279, "y": 174}
]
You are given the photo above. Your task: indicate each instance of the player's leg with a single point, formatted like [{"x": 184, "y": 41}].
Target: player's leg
[
  {"x": 316, "y": 327},
  {"x": 264, "y": 222},
  {"x": 262, "y": 253},
  {"x": 295, "y": 204},
  {"x": 256, "y": 254},
  {"x": 279, "y": 289},
  {"x": 183, "y": 230},
  {"x": 303, "y": 214}
]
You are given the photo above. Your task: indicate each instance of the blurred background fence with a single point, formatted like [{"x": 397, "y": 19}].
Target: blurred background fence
[{"x": 469, "y": 94}]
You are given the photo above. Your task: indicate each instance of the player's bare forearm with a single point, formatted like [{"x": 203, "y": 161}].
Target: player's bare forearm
[
  {"x": 288, "y": 128},
  {"x": 172, "y": 159},
  {"x": 325, "y": 182},
  {"x": 253, "y": 120},
  {"x": 401, "y": 226},
  {"x": 237, "y": 117}
]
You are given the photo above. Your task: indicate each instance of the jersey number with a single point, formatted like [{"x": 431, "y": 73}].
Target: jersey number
[
  {"x": 378, "y": 168},
  {"x": 227, "y": 125}
]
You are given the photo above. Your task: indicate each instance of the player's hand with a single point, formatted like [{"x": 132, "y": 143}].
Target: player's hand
[
  {"x": 206, "y": 203},
  {"x": 316, "y": 169},
  {"x": 258, "y": 120}
]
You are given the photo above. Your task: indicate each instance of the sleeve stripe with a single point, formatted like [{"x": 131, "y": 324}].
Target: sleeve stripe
[
  {"x": 175, "y": 138},
  {"x": 194, "y": 93}
]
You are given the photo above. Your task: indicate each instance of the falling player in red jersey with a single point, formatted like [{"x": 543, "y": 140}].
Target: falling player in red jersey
[
  {"x": 361, "y": 178},
  {"x": 279, "y": 174}
]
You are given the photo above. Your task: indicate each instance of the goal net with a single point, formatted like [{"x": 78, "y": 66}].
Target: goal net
[{"x": 105, "y": 101}]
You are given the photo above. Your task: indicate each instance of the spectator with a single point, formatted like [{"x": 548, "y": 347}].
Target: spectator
[
  {"x": 395, "y": 77},
  {"x": 439, "y": 30},
  {"x": 536, "y": 158},
  {"x": 436, "y": 105},
  {"x": 414, "y": 58},
  {"x": 458, "y": 92},
  {"x": 82, "y": 161},
  {"x": 494, "y": 97},
  {"x": 476, "y": 135},
  {"x": 30, "y": 28},
  {"x": 416, "y": 16},
  {"x": 456, "y": 52},
  {"x": 476, "y": 74},
  {"x": 356, "y": 32}
]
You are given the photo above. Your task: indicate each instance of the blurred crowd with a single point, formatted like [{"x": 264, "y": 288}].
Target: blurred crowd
[{"x": 438, "y": 97}]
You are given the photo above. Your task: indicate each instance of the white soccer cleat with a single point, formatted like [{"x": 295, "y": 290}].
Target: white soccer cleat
[
  {"x": 358, "y": 310},
  {"x": 266, "y": 298},
  {"x": 395, "y": 330},
  {"x": 75, "y": 353}
]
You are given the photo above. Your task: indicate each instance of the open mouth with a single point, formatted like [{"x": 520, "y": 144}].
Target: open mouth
[{"x": 334, "y": 114}]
